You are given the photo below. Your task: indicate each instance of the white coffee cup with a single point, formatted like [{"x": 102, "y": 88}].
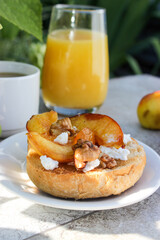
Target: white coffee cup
[{"x": 19, "y": 96}]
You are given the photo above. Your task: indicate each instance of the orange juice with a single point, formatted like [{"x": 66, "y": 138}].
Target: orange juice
[{"x": 75, "y": 71}]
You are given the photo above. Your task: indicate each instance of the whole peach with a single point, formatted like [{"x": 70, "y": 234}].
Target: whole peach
[{"x": 148, "y": 110}]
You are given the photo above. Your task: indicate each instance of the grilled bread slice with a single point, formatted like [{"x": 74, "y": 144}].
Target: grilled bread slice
[{"x": 66, "y": 182}]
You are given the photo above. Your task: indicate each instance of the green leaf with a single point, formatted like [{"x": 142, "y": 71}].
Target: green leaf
[
  {"x": 25, "y": 14},
  {"x": 114, "y": 10},
  {"x": 17, "y": 49},
  {"x": 147, "y": 42},
  {"x": 142, "y": 44},
  {"x": 134, "y": 65},
  {"x": 154, "y": 4},
  {"x": 36, "y": 54},
  {"x": 130, "y": 26},
  {"x": 156, "y": 45},
  {"x": 125, "y": 20},
  {"x": 9, "y": 31},
  {"x": 156, "y": 14}
]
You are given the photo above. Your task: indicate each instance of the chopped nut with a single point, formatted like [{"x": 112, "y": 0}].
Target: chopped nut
[
  {"x": 85, "y": 151},
  {"x": 65, "y": 123},
  {"x": 102, "y": 164},
  {"x": 55, "y": 131},
  {"x": 108, "y": 161},
  {"x": 84, "y": 144},
  {"x": 61, "y": 126}
]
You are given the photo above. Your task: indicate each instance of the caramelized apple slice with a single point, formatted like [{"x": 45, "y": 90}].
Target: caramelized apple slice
[
  {"x": 107, "y": 131},
  {"x": 41, "y": 123},
  {"x": 44, "y": 146},
  {"x": 85, "y": 134}
]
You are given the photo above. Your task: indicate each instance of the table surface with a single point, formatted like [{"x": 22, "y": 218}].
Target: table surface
[{"x": 23, "y": 219}]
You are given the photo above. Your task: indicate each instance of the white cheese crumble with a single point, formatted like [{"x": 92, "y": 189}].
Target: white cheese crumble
[
  {"x": 75, "y": 128},
  {"x": 120, "y": 153},
  {"x": 91, "y": 165},
  {"x": 48, "y": 163},
  {"x": 62, "y": 138},
  {"x": 127, "y": 138}
]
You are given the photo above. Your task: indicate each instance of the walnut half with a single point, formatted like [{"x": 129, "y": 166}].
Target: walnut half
[
  {"x": 107, "y": 161},
  {"x": 84, "y": 151},
  {"x": 60, "y": 126}
]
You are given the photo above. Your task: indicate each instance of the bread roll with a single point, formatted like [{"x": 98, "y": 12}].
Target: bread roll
[{"x": 66, "y": 182}]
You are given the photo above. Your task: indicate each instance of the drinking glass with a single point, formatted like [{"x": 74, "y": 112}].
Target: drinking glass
[{"x": 76, "y": 65}]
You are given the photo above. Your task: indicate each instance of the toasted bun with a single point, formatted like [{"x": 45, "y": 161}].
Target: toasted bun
[{"x": 66, "y": 182}]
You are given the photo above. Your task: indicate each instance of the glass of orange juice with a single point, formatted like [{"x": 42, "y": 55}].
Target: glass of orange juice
[{"x": 76, "y": 65}]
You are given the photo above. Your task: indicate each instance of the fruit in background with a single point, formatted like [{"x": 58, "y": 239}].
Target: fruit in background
[
  {"x": 148, "y": 110},
  {"x": 106, "y": 130},
  {"x": 41, "y": 123}
]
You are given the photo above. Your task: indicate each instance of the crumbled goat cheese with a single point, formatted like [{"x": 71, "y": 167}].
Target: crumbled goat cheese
[
  {"x": 48, "y": 163},
  {"x": 127, "y": 138},
  {"x": 120, "y": 153},
  {"x": 91, "y": 165},
  {"x": 75, "y": 128},
  {"x": 62, "y": 138}
]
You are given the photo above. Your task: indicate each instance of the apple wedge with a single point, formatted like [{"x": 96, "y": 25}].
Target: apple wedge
[
  {"x": 107, "y": 131},
  {"x": 41, "y": 123},
  {"x": 44, "y": 146}
]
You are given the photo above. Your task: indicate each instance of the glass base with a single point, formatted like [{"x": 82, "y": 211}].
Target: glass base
[{"x": 70, "y": 111}]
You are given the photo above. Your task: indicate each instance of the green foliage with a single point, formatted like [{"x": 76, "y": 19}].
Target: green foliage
[
  {"x": 16, "y": 49},
  {"x": 126, "y": 18},
  {"x": 36, "y": 54},
  {"x": 127, "y": 27},
  {"x": 133, "y": 64},
  {"x": 156, "y": 46},
  {"x": 10, "y": 31},
  {"x": 25, "y": 14}
]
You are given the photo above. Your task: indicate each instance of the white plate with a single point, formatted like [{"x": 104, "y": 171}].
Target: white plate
[{"x": 13, "y": 175}]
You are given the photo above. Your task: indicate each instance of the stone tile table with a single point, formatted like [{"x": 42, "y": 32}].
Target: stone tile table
[{"x": 23, "y": 219}]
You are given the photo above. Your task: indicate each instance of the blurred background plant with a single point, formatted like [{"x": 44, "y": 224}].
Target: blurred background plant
[{"x": 133, "y": 31}]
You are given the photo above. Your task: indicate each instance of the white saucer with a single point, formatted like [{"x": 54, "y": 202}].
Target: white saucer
[{"x": 13, "y": 175}]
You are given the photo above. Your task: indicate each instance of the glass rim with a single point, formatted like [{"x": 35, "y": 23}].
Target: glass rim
[{"x": 79, "y": 8}]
